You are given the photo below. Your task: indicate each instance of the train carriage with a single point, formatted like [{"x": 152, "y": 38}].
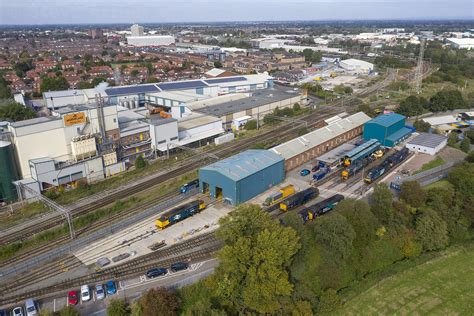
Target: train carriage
[
  {"x": 180, "y": 213},
  {"x": 311, "y": 212},
  {"x": 298, "y": 199}
]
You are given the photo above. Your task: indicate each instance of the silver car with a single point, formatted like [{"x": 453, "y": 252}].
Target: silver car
[{"x": 99, "y": 291}]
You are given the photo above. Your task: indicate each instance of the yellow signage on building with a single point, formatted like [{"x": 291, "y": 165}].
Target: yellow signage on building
[{"x": 75, "y": 118}]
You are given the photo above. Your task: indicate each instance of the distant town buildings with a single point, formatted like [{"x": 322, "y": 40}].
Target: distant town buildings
[
  {"x": 461, "y": 43},
  {"x": 96, "y": 33}
]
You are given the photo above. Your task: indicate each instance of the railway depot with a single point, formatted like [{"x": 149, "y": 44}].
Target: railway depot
[{"x": 388, "y": 129}]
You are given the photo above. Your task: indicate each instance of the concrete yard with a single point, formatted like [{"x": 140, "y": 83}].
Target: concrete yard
[{"x": 138, "y": 237}]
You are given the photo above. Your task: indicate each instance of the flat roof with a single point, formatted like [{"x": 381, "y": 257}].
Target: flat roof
[
  {"x": 62, "y": 93},
  {"x": 336, "y": 154},
  {"x": 157, "y": 121},
  {"x": 439, "y": 120},
  {"x": 178, "y": 85},
  {"x": 428, "y": 140},
  {"x": 196, "y": 120},
  {"x": 244, "y": 164},
  {"x": 38, "y": 120},
  {"x": 135, "y": 89},
  {"x": 258, "y": 98}
]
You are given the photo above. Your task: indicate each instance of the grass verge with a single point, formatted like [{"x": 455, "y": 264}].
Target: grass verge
[{"x": 438, "y": 161}]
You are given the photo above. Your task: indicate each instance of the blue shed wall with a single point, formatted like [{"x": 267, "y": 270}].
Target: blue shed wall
[
  {"x": 260, "y": 182},
  {"x": 215, "y": 179},
  {"x": 380, "y": 132}
]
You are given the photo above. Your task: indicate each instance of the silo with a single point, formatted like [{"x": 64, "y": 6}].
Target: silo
[{"x": 8, "y": 172}]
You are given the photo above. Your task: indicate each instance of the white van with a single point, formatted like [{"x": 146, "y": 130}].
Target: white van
[{"x": 30, "y": 307}]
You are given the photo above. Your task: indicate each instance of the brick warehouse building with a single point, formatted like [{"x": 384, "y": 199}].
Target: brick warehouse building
[{"x": 304, "y": 148}]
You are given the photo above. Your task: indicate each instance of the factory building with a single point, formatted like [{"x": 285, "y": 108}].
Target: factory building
[
  {"x": 318, "y": 142},
  {"x": 388, "y": 129},
  {"x": 461, "y": 43},
  {"x": 256, "y": 105},
  {"x": 239, "y": 178},
  {"x": 150, "y": 40},
  {"x": 356, "y": 65},
  {"x": 426, "y": 143}
]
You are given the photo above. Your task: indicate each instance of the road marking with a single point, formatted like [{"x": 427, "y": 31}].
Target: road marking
[
  {"x": 54, "y": 305},
  {"x": 143, "y": 278}
]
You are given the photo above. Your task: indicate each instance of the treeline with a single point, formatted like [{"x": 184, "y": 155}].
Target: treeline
[
  {"x": 443, "y": 100},
  {"x": 392, "y": 62}
]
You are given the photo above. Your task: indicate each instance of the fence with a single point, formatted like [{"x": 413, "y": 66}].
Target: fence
[
  {"x": 53, "y": 254},
  {"x": 427, "y": 177}
]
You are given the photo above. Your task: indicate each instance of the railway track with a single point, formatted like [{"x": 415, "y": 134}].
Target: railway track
[
  {"x": 195, "y": 249},
  {"x": 280, "y": 133}
]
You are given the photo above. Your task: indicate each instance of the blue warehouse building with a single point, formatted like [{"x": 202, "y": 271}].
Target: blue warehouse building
[
  {"x": 388, "y": 129},
  {"x": 239, "y": 178}
]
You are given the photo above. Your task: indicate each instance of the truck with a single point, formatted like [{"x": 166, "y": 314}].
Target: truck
[{"x": 280, "y": 195}]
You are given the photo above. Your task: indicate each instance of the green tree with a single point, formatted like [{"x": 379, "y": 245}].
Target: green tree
[
  {"x": 364, "y": 107},
  {"x": 470, "y": 157},
  {"x": 140, "y": 162},
  {"x": 54, "y": 84},
  {"x": 422, "y": 126},
  {"x": 335, "y": 235},
  {"x": 447, "y": 100},
  {"x": 462, "y": 178},
  {"x": 257, "y": 251},
  {"x": 134, "y": 72},
  {"x": 296, "y": 107},
  {"x": 217, "y": 64},
  {"x": 45, "y": 312},
  {"x": 95, "y": 82},
  {"x": 329, "y": 301},
  {"x": 5, "y": 92},
  {"x": 412, "y": 193},
  {"x": 465, "y": 145},
  {"x": 431, "y": 230},
  {"x": 16, "y": 112},
  {"x": 412, "y": 106},
  {"x": 470, "y": 134},
  {"x": 159, "y": 301},
  {"x": 69, "y": 311},
  {"x": 453, "y": 139},
  {"x": 251, "y": 125},
  {"x": 118, "y": 307},
  {"x": 381, "y": 203}
]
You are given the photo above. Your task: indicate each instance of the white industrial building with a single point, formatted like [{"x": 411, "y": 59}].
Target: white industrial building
[
  {"x": 426, "y": 143},
  {"x": 461, "y": 43},
  {"x": 137, "y": 30},
  {"x": 150, "y": 40},
  {"x": 356, "y": 65}
]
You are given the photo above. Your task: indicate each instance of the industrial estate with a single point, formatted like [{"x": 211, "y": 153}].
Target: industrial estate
[{"x": 234, "y": 169}]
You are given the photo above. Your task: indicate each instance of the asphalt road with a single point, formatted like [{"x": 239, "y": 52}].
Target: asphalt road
[{"x": 132, "y": 289}]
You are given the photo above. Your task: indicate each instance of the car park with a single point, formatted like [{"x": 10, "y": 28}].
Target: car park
[
  {"x": 178, "y": 266},
  {"x": 85, "y": 293},
  {"x": 99, "y": 291},
  {"x": 304, "y": 172},
  {"x": 72, "y": 298},
  {"x": 30, "y": 307},
  {"x": 18, "y": 311},
  {"x": 110, "y": 288},
  {"x": 156, "y": 272}
]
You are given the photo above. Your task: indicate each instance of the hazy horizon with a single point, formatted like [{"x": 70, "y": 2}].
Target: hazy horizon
[{"x": 29, "y": 12}]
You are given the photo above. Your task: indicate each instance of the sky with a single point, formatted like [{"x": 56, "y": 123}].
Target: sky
[{"x": 162, "y": 11}]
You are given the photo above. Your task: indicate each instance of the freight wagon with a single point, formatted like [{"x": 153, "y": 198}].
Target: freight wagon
[
  {"x": 180, "y": 213},
  {"x": 311, "y": 212},
  {"x": 298, "y": 199},
  {"x": 280, "y": 195},
  {"x": 188, "y": 186},
  {"x": 391, "y": 161}
]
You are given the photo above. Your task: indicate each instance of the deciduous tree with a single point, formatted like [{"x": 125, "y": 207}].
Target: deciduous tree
[
  {"x": 118, "y": 307},
  {"x": 431, "y": 230},
  {"x": 159, "y": 302},
  {"x": 412, "y": 193}
]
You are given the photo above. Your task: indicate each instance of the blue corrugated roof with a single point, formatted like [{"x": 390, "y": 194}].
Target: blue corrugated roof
[
  {"x": 244, "y": 164},
  {"x": 143, "y": 88},
  {"x": 402, "y": 132},
  {"x": 224, "y": 80},
  {"x": 182, "y": 85},
  {"x": 361, "y": 147},
  {"x": 386, "y": 120}
]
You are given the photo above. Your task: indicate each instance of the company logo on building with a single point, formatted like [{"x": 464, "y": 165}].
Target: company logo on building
[{"x": 75, "y": 118}]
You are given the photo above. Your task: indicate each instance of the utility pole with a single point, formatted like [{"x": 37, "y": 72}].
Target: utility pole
[{"x": 419, "y": 67}]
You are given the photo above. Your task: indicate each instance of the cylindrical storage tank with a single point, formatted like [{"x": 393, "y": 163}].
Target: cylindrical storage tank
[{"x": 8, "y": 172}]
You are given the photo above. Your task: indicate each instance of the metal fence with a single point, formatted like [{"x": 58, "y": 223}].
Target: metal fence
[
  {"x": 430, "y": 176},
  {"x": 78, "y": 243}
]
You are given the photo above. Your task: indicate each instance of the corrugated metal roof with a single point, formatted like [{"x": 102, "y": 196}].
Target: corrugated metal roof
[
  {"x": 402, "y": 132},
  {"x": 244, "y": 164},
  {"x": 223, "y": 80},
  {"x": 142, "y": 88},
  {"x": 301, "y": 144},
  {"x": 428, "y": 140},
  {"x": 178, "y": 85},
  {"x": 386, "y": 120}
]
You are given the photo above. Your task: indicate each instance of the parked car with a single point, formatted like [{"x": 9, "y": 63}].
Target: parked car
[
  {"x": 110, "y": 287},
  {"x": 99, "y": 291},
  {"x": 156, "y": 272},
  {"x": 72, "y": 298},
  {"x": 304, "y": 172},
  {"x": 85, "y": 293},
  {"x": 178, "y": 266},
  {"x": 17, "y": 311},
  {"x": 30, "y": 307}
]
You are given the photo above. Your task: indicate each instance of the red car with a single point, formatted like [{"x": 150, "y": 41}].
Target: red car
[{"x": 72, "y": 298}]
